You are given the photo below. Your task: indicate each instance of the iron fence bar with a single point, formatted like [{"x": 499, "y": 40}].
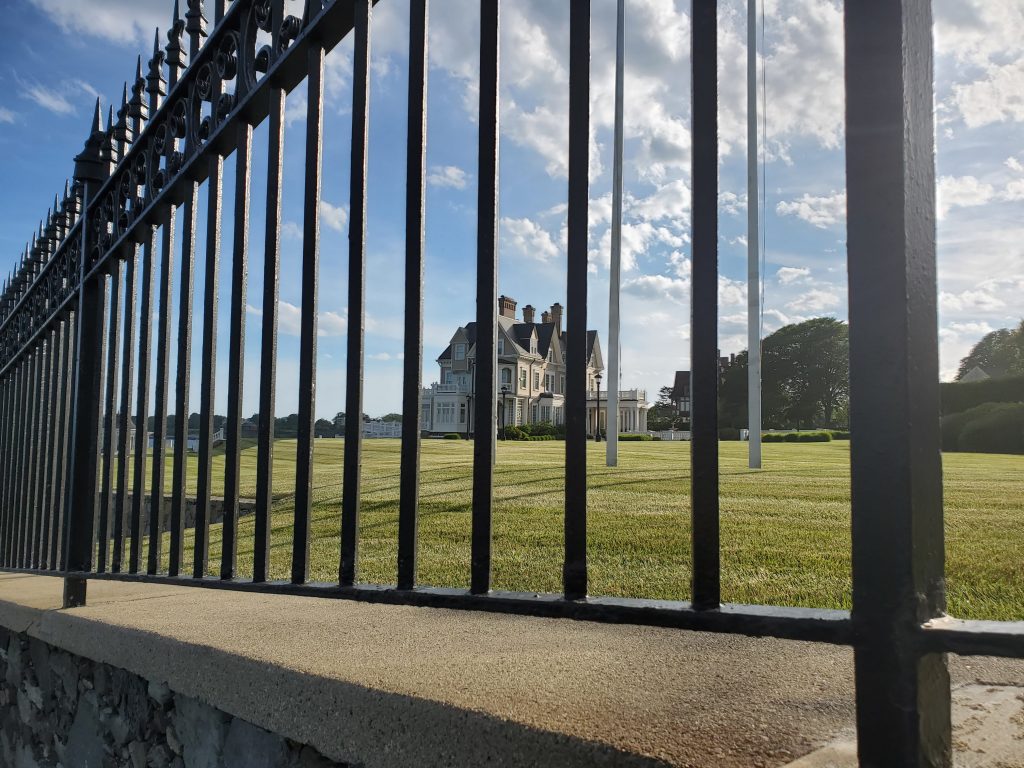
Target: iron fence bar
[
  {"x": 5, "y": 459},
  {"x": 106, "y": 503},
  {"x": 87, "y": 389},
  {"x": 415, "y": 199},
  {"x": 19, "y": 455},
  {"x": 39, "y": 474},
  {"x": 124, "y": 442},
  {"x": 163, "y": 345},
  {"x": 142, "y": 403},
  {"x": 10, "y": 476},
  {"x": 32, "y": 457},
  {"x": 352, "y": 468},
  {"x": 236, "y": 354},
  {"x": 903, "y": 691},
  {"x": 22, "y": 458},
  {"x": 308, "y": 320},
  {"x": 207, "y": 386},
  {"x": 706, "y": 579},
  {"x": 7, "y": 430},
  {"x": 186, "y": 290},
  {"x": 268, "y": 349},
  {"x": 485, "y": 382},
  {"x": 57, "y": 364},
  {"x": 68, "y": 331},
  {"x": 574, "y": 572}
]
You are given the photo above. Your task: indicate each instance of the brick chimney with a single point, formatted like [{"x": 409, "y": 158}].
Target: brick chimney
[
  {"x": 507, "y": 307},
  {"x": 528, "y": 313},
  {"x": 545, "y": 317},
  {"x": 556, "y": 317}
]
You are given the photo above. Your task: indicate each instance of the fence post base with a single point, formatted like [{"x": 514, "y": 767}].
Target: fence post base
[{"x": 74, "y": 592}]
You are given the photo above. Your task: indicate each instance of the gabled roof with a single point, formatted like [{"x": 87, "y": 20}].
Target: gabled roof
[
  {"x": 470, "y": 331},
  {"x": 681, "y": 385}
]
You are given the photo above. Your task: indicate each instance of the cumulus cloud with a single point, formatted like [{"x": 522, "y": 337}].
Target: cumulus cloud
[
  {"x": 289, "y": 320},
  {"x": 674, "y": 289},
  {"x": 333, "y": 216},
  {"x": 815, "y": 300},
  {"x": 527, "y": 238},
  {"x": 961, "y": 192},
  {"x": 821, "y": 212},
  {"x": 977, "y": 299},
  {"x": 447, "y": 177},
  {"x": 6, "y": 116},
  {"x": 789, "y": 275}
]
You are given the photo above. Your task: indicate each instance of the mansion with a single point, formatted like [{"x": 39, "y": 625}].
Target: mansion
[{"x": 530, "y": 377}]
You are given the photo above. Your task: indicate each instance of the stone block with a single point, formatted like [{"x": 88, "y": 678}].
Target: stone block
[
  {"x": 202, "y": 731},
  {"x": 85, "y": 747},
  {"x": 250, "y": 747}
]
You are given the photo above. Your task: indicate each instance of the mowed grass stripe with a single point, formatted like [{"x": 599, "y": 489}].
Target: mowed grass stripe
[{"x": 785, "y": 529}]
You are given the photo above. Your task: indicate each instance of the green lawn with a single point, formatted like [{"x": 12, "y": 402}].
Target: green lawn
[{"x": 785, "y": 529}]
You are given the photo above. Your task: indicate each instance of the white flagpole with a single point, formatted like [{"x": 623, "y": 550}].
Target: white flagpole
[
  {"x": 753, "y": 252},
  {"x": 616, "y": 256}
]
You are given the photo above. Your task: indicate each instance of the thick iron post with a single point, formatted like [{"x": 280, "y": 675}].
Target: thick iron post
[
  {"x": 87, "y": 391},
  {"x": 903, "y": 695}
]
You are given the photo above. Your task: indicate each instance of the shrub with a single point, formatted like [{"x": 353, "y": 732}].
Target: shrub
[
  {"x": 634, "y": 438},
  {"x": 513, "y": 432},
  {"x": 839, "y": 434},
  {"x": 796, "y": 437},
  {"x": 987, "y": 428},
  {"x": 656, "y": 438},
  {"x": 954, "y": 424},
  {"x": 452, "y": 436},
  {"x": 539, "y": 437},
  {"x": 959, "y": 396},
  {"x": 542, "y": 428}
]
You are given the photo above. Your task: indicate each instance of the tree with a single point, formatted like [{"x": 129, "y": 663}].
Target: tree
[
  {"x": 999, "y": 353},
  {"x": 392, "y": 417},
  {"x": 805, "y": 378},
  {"x": 662, "y": 416},
  {"x": 324, "y": 428}
]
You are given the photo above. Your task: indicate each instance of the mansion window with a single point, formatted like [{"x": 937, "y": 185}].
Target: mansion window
[
  {"x": 506, "y": 376},
  {"x": 551, "y": 355},
  {"x": 448, "y": 377},
  {"x": 462, "y": 413},
  {"x": 522, "y": 378},
  {"x": 536, "y": 379},
  {"x": 519, "y": 411},
  {"x": 446, "y": 412},
  {"x": 549, "y": 382},
  {"x": 501, "y": 346},
  {"x": 460, "y": 351}
]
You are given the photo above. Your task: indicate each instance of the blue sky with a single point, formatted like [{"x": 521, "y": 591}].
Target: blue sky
[{"x": 67, "y": 52}]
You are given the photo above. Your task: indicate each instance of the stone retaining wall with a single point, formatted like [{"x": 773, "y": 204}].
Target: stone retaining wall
[{"x": 61, "y": 710}]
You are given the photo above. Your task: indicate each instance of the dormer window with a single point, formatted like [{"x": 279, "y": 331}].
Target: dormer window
[
  {"x": 460, "y": 351},
  {"x": 501, "y": 346},
  {"x": 551, "y": 355}
]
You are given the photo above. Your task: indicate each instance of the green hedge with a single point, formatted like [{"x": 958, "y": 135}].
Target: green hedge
[
  {"x": 452, "y": 436},
  {"x": 633, "y": 438},
  {"x": 958, "y": 396},
  {"x": 986, "y": 428},
  {"x": 797, "y": 437},
  {"x": 838, "y": 434},
  {"x": 539, "y": 437}
]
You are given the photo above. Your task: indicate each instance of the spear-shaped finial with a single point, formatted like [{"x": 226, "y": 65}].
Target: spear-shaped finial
[
  {"x": 97, "y": 117},
  {"x": 156, "y": 85},
  {"x": 136, "y": 106},
  {"x": 175, "y": 53},
  {"x": 195, "y": 26}
]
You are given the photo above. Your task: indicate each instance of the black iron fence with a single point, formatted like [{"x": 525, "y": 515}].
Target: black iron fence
[{"x": 69, "y": 359}]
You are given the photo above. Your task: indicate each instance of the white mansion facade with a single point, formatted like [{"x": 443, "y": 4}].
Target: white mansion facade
[{"x": 530, "y": 377}]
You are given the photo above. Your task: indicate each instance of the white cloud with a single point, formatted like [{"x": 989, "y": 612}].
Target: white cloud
[
  {"x": 447, "y": 177},
  {"x": 333, "y": 216},
  {"x": 48, "y": 99},
  {"x": 815, "y": 300},
  {"x": 291, "y": 231},
  {"x": 676, "y": 290},
  {"x": 961, "y": 192},
  {"x": 289, "y": 320},
  {"x": 120, "y": 21},
  {"x": 789, "y": 275},
  {"x": 731, "y": 292},
  {"x": 821, "y": 212},
  {"x": 6, "y": 116},
  {"x": 978, "y": 299},
  {"x": 528, "y": 238}
]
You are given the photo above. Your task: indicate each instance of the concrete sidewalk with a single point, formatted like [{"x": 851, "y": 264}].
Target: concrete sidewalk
[{"x": 392, "y": 686}]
